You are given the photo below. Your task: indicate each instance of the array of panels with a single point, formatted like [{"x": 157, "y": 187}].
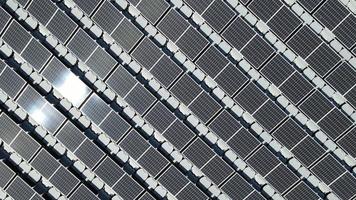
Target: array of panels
[{"x": 183, "y": 33}]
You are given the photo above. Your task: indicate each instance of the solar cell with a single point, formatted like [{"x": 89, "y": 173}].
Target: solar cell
[
  {"x": 107, "y": 16},
  {"x": 126, "y": 35},
  {"x": 343, "y": 78},
  {"x": 284, "y": 23},
  {"x": 140, "y": 99},
  {"x": 198, "y": 5},
  {"x": 205, "y": 107},
  {"x": 243, "y": 143},
  {"x": 147, "y": 53},
  {"x": 166, "y": 71},
  {"x": 153, "y": 161},
  {"x": 4, "y": 19},
  {"x": 173, "y": 25},
  {"x": 114, "y": 125},
  {"x": 257, "y": 51},
  {"x": 25, "y": 145},
  {"x": 238, "y": 33},
  {"x": 61, "y": 26},
  {"x": 153, "y": 9},
  {"x": 218, "y": 15},
  {"x": 225, "y": 125},
  {"x": 70, "y": 136},
  {"x": 212, "y": 61},
  {"x": 250, "y": 98},
  {"x": 304, "y": 41},
  {"x": 192, "y": 43},
  {"x": 83, "y": 193},
  {"x": 237, "y": 188},
  {"x": 265, "y": 9},
  {"x": 96, "y": 109},
  {"x": 323, "y": 59},
  {"x": 281, "y": 178},
  {"x": 87, "y": 6},
  {"x": 191, "y": 191},
  {"x": 231, "y": 79},
  {"x": 263, "y": 161},
  {"x": 331, "y": 13},
  {"x": 277, "y": 70},
  {"x": 310, "y": 5}
]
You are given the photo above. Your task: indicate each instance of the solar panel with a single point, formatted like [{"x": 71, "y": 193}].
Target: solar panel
[
  {"x": 212, "y": 61},
  {"x": 192, "y": 43},
  {"x": 153, "y": 161},
  {"x": 331, "y": 13},
  {"x": 61, "y": 26},
  {"x": 199, "y": 6},
  {"x": 114, "y": 125},
  {"x": 4, "y": 19},
  {"x": 225, "y": 125},
  {"x": 147, "y": 53},
  {"x": 218, "y": 15},
  {"x": 236, "y": 187},
  {"x": 301, "y": 191},
  {"x": 160, "y": 117},
  {"x": 263, "y": 161},
  {"x": 121, "y": 81},
  {"x": 45, "y": 163},
  {"x": 126, "y": 34},
  {"x": 107, "y": 22},
  {"x": 96, "y": 109},
  {"x": 257, "y": 51},
  {"x": 269, "y": 115},
  {"x": 323, "y": 59},
  {"x": 178, "y": 140},
  {"x": 36, "y": 54},
  {"x": 351, "y": 96},
  {"x": 191, "y": 191},
  {"x": 134, "y": 144},
  {"x": 16, "y": 36},
  {"x": 346, "y": 142},
  {"x": 265, "y": 9},
  {"x": 289, "y": 133},
  {"x": 328, "y": 169},
  {"x": 217, "y": 169},
  {"x": 317, "y": 98},
  {"x": 109, "y": 171},
  {"x": 82, "y": 45},
  {"x": 184, "y": 84},
  {"x": 344, "y": 186},
  {"x": 173, "y": 179},
  {"x": 42, "y": 10},
  {"x": 343, "y": 78},
  {"x": 243, "y": 143},
  {"x": 70, "y": 136},
  {"x": 83, "y": 193},
  {"x": 153, "y": 9},
  {"x": 284, "y": 22},
  {"x": 18, "y": 189},
  {"x": 127, "y": 188},
  {"x": 250, "y": 98},
  {"x": 231, "y": 79},
  {"x": 335, "y": 123},
  {"x": 198, "y": 152},
  {"x": 308, "y": 151},
  {"x": 64, "y": 180},
  {"x": 166, "y": 71},
  {"x": 87, "y": 6},
  {"x": 89, "y": 153},
  {"x": 304, "y": 41},
  {"x": 140, "y": 98},
  {"x": 277, "y": 70},
  {"x": 346, "y": 31},
  {"x": 205, "y": 107},
  {"x": 310, "y": 5},
  {"x": 6, "y": 175},
  {"x": 11, "y": 82},
  {"x": 173, "y": 25},
  {"x": 296, "y": 88},
  {"x": 25, "y": 145},
  {"x": 101, "y": 62},
  {"x": 238, "y": 33},
  {"x": 281, "y": 178}
]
